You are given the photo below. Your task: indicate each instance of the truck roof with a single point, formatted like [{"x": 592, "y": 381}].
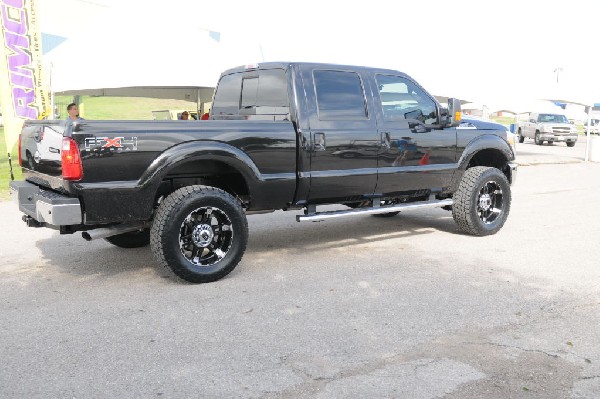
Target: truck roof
[{"x": 287, "y": 65}]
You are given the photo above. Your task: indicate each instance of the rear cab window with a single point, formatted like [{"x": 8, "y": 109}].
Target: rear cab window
[{"x": 255, "y": 94}]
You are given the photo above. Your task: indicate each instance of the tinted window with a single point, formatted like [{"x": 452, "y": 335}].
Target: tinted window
[
  {"x": 262, "y": 92},
  {"x": 340, "y": 95},
  {"x": 227, "y": 97},
  {"x": 249, "y": 92},
  {"x": 402, "y": 99},
  {"x": 266, "y": 90}
]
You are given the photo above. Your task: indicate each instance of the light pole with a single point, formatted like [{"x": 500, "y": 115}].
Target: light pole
[{"x": 557, "y": 71}]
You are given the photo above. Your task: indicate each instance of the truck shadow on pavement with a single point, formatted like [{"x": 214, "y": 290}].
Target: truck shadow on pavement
[
  {"x": 347, "y": 231},
  {"x": 73, "y": 255}
]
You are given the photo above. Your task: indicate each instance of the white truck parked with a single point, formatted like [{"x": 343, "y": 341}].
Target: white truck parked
[
  {"x": 594, "y": 126},
  {"x": 550, "y": 127}
]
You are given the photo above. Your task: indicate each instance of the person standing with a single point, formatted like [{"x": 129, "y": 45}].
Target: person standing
[{"x": 73, "y": 111}]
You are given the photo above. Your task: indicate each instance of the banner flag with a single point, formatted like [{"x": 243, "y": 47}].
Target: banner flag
[{"x": 23, "y": 94}]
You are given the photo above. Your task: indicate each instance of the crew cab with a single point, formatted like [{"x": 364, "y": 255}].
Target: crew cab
[
  {"x": 281, "y": 136},
  {"x": 550, "y": 127}
]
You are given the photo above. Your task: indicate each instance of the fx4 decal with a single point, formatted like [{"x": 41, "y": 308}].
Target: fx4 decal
[{"x": 117, "y": 144}]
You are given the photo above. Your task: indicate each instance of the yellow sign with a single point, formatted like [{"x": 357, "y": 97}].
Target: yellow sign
[{"x": 22, "y": 90}]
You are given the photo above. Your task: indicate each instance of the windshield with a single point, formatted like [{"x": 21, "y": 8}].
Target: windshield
[{"x": 553, "y": 118}]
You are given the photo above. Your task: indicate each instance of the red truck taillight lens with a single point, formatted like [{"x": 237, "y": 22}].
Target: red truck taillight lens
[{"x": 71, "y": 160}]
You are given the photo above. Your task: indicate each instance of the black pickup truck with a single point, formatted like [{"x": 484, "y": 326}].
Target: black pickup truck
[{"x": 286, "y": 136}]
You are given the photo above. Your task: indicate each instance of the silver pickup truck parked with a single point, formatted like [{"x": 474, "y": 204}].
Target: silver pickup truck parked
[
  {"x": 547, "y": 127},
  {"x": 594, "y": 126}
]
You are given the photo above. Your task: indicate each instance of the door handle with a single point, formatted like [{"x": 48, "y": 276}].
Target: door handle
[
  {"x": 385, "y": 140},
  {"x": 319, "y": 144}
]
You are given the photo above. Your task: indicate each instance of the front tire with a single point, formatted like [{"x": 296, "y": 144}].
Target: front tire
[
  {"x": 570, "y": 144},
  {"x": 200, "y": 233},
  {"x": 482, "y": 201},
  {"x": 537, "y": 139},
  {"x": 521, "y": 138}
]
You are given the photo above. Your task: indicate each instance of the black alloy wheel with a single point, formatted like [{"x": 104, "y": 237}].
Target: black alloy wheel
[
  {"x": 200, "y": 233},
  {"x": 482, "y": 201}
]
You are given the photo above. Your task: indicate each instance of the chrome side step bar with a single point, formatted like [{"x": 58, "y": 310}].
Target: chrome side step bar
[{"x": 317, "y": 216}]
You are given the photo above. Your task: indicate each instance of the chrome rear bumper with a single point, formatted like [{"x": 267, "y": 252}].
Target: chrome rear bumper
[{"x": 45, "y": 206}]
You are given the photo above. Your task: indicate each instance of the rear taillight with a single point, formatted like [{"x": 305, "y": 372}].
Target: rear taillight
[
  {"x": 71, "y": 160},
  {"x": 20, "y": 157}
]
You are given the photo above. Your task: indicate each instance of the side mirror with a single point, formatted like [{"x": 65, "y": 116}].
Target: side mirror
[{"x": 454, "y": 111}]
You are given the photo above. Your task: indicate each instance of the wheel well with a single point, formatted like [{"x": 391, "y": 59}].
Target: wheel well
[
  {"x": 488, "y": 157},
  {"x": 209, "y": 173},
  {"x": 493, "y": 158}
]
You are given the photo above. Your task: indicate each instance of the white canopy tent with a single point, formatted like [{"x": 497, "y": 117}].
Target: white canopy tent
[{"x": 147, "y": 59}]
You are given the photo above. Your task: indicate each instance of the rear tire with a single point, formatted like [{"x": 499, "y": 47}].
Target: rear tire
[
  {"x": 132, "y": 239},
  {"x": 482, "y": 201},
  {"x": 521, "y": 138},
  {"x": 200, "y": 233}
]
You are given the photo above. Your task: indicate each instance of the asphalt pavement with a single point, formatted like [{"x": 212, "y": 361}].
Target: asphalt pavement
[{"x": 364, "y": 307}]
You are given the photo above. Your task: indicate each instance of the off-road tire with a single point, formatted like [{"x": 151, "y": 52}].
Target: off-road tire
[
  {"x": 482, "y": 201},
  {"x": 200, "y": 233},
  {"x": 132, "y": 239}
]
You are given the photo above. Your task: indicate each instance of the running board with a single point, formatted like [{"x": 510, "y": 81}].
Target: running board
[{"x": 317, "y": 216}]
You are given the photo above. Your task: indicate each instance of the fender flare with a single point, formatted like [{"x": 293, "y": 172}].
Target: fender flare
[
  {"x": 480, "y": 143},
  {"x": 198, "y": 151}
]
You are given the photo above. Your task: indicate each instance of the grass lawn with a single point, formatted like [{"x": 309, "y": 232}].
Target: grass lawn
[
  {"x": 504, "y": 120},
  {"x": 123, "y": 108}
]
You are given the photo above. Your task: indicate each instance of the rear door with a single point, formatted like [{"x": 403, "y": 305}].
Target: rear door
[{"x": 343, "y": 131}]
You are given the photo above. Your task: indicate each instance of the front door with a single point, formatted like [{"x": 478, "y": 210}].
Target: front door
[{"x": 416, "y": 155}]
